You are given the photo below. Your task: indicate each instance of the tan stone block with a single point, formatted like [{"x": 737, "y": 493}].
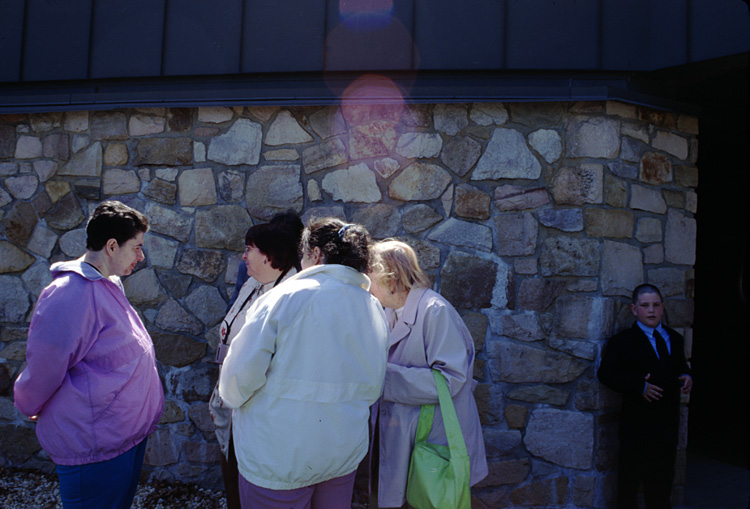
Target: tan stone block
[
  {"x": 285, "y": 130},
  {"x": 621, "y": 109},
  {"x": 28, "y": 147},
  {"x": 116, "y": 181},
  {"x": 172, "y": 413},
  {"x": 215, "y": 114},
  {"x": 672, "y": 144},
  {"x": 282, "y": 154},
  {"x": 56, "y": 189},
  {"x": 688, "y": 124},
  {"x": 116, "y": 154},
  {"x": 609, "y": 223},
  {"x": 197, "y": 187},
  {"x": 577, "y": 186},
  {"x": 686, "y": 176},
  {"x": 76, "y": 121},
  {"x": 659, "y": 118},
  {"x": 142, "y": 125}
]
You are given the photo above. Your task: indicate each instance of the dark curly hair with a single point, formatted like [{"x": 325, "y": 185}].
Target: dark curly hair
[
  {"x": 113, "y": 220},
  {"x": 278, "y": 239},
  {"x": 339, "y": 242}
]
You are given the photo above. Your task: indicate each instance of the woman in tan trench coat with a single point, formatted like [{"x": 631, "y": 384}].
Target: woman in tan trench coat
[{"x": 426, "y": 333}]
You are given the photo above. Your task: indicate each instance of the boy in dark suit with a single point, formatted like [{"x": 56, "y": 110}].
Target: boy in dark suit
[{"x": 646, "y": 365}]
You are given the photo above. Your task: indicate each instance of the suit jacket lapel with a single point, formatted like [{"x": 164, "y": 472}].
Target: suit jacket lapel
[{"x": 645, "y": 343}]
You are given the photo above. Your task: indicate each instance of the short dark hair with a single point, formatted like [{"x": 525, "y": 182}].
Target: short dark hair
[
  {"x": 339, "y": 242},
  {"x": 278, "y": 239},
  {"x": 113, "y": 220},
  {"x": 645, "y": 288}
]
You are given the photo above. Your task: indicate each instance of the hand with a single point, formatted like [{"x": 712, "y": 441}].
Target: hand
[
  {"x": 652, "y": 392},
  {"x": 687, "y": 384}
]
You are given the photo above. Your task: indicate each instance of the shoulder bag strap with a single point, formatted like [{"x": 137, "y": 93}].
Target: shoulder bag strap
[
  {"x": 453, "y": 432},
  {"x": 424, "y": 425}
]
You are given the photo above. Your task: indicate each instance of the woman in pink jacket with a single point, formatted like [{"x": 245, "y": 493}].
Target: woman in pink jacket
[
  {"x": 426, "y": 333},
  {"x": 91, "y": 381}
]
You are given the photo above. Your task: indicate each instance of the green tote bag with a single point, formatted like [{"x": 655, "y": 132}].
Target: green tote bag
[{"x": 439, "y": 475}]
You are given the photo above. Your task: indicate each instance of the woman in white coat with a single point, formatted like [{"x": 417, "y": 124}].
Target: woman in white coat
[
  {"x": 426, "y": 333},
  {"x": 302, "y": 374},
  {"x": 271, "y": 257}
]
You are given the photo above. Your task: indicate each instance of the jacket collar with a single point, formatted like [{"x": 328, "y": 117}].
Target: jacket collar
[
  {"x": 403, "y": 326},
  {"x": 84, "y": 270},
  {"x": 346, "y": 275},
  {"x": 79, "y": 267}
]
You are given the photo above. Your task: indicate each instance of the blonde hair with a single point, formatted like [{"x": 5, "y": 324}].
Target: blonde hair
[{"x": 395, "y": 265}]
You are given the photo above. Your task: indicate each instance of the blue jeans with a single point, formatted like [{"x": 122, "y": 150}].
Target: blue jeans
[{"x": 108, "y": 484}]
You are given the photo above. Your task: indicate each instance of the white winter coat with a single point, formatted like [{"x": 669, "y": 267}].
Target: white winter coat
[{"x": 302, "y": 374}]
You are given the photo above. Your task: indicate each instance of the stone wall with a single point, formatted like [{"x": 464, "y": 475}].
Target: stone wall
[{"x": 535, "y": 220}]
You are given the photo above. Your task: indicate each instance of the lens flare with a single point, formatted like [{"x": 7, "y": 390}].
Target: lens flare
[
  {"x": 372, "y": 97},
  {"x": 365, "y": 14}
]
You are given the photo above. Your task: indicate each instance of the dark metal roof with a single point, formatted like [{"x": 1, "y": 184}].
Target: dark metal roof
[{"x": 110, "y": 53}]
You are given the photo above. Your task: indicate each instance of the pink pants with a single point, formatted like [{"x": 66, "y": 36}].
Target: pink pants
[{"x": 332, "y": 494}]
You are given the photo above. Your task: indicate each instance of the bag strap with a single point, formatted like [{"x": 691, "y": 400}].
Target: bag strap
[{"x": 453, "y": 433}]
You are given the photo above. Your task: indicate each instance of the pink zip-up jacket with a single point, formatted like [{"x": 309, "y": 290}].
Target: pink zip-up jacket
[{"x": 91, "y": 369}]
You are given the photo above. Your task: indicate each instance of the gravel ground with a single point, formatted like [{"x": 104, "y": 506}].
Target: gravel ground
[{"x": 21, "y": 489}]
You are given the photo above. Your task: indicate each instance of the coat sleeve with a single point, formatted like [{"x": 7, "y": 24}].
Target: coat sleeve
[
  {"x": 249, "y": 356},
  {"x": 616, "y": 370},
  {"x": 62, "y": 330},
  {"x": 446, "y": 350}
]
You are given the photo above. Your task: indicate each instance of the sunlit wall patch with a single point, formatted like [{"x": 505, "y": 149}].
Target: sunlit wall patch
[{"x": 373, "y": 90}]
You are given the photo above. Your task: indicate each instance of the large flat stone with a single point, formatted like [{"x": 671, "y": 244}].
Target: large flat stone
[
  {"x": 272, "y": 189},
  {"x": 355, "y": 184},
  {"x": 472, "y": 202},
  {"x": 519, "y": 363},
  {"x": 222, "y": 227},
  {"x": 197, "y": 187},
  {"x": 460, "y": 154},
  {"x": 580, "y": 185},
  {"x": 14, "y": 300},
  {"x": 463, "y": 234},
  {"x": 507, "y": 156},
  {"x": 592, "y": 137},
  {"x": 609, "y": 223},
  {"x": 562, "y": 437},
  {"x": 517, "y": 234},
  {"x": 584, "y": 317},
  {"x": 622, "y": 268},
  {"x": 206, "y": 265},
  {"x": 240, "y": 145},
  {"x": 164, "y": 151},
  {"x": 468, "y": 281},
  {"x": 680, "y": 238},
  {"x": 419, "y": 181},
  {"x": 569, "y": 256}
]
